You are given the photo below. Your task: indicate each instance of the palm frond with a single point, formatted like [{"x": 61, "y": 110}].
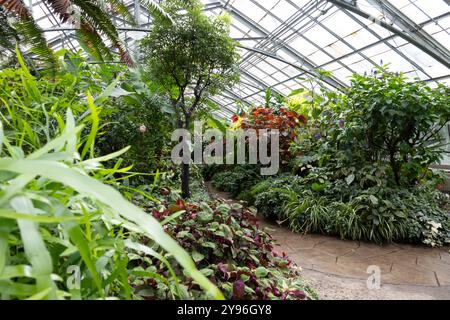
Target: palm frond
[
  {"x": 118, "y": 6},
  {"x": 100, "y": 21},
  {"x": 92, "y": 42},
  {"x": 31, "y": 32},
  {"x": 17, "y": 7},
  {"x": 95, "y": 22},
  {"x": 61, "y": 9},
  {"x": 155, "y": 10}
]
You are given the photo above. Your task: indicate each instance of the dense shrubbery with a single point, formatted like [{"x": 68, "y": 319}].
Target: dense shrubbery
[
  {"x": 237, "y": 179},
  {"x": 365, "y": 164},
  {"x": 228, "y": 248},
  {"x": 139, "y": 118},
  {"x": 360, "y": 169},
  {"x": 379, "y": 213},
  {"x": 60, "y": 217},
  {"x": 267, "y": 196},
  {"x": 279, "y": 118},
  {"x": 62, "y": 220}
]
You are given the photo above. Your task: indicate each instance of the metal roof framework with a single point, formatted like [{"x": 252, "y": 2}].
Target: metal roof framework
[{"x": 285, "y": 43}]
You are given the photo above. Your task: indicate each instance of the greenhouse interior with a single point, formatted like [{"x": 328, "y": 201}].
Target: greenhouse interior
[{"x": 225, "y": 150}]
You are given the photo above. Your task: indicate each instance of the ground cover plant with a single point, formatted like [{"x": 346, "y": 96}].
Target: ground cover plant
[{"x": 230, "y": 249}]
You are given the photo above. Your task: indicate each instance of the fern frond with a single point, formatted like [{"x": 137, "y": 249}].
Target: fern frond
[
  {"x": 101, "y": 22},
  {"x": 17, "y": 7}
]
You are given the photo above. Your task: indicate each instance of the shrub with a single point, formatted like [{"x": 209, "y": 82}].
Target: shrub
[
  {"x": 393, "y": 119},
  {"x": 268, "y": 197},
  {"x": 286, "y": 121},
  {"x": 237, "y": 179},
  {"x": 376, "y": 214},
  {"x": 228, "y": 248},
  {"x": 364, "y": 163},
  {"x": 208, "y": 171},
  {"x": 138, "y": 118},
  {"x": 270, "y": 203}
]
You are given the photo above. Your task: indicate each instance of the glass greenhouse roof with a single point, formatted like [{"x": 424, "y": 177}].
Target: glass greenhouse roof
[{"x": 285, "y": 43}]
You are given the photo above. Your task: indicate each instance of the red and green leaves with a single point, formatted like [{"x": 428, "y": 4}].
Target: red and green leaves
[{"x": 230, "y": 249}]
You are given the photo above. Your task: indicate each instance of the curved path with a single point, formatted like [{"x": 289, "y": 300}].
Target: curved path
[{"x": 338, "y": 269}]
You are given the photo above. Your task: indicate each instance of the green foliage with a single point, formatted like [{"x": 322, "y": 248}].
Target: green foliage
[
  {"x": 191, "y": 59},
  {"x": 94, "y": 21},
  {"x": 139, "y": 118},
  {"x": 196, "y": 52},
  {"x": 56, "y": 189},
  {"x": 60, "y": 218},
  {"x": 270, "y": 203},
  {"x": 390, "y": 118},
  {"x": 230, "y": 250},
  {"x": 362, "y": 167},
  {"x": 8, "y": 35},
  {"x": 268, "y": 197},
  {"x": 33, "y": 109},
  {"x": 237, "y": 179},
  {"x": 382, "y": 215}
]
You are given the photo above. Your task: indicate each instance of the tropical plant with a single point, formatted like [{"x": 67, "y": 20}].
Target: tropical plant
[
  {"x": 280, "y": 118},
  {"x": 237, "y": 179},
  {"x": 8, "y": 34},
  {"x": 381, "y": 215},
  {"x": 137, "y": 117},
  {"x": 51, "y": 187},
  {"x": 343, "y": 181},
  {"x": 228, "y": 248},
  {"x": 391, "y": 118},
  {"x": 33, "y": 109},
  {"x": 191, "y": 60},
  {"x": 92, "y": 22},
  {"x": 60, "y": 217}
]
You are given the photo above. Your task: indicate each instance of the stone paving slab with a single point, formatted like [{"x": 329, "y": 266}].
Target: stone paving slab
[{"x": 399, "y": 264}]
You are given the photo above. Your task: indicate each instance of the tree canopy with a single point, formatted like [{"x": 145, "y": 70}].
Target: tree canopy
[{"x": 190, "y": 59}]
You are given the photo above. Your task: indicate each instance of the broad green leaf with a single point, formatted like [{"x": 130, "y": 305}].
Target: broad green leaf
[
  {"x": 373, "y": 199},
  {"x": 261, "y": 272},
  {"x": 350, "y": 179},
  {"x": 89, "y": 145},
  {"x": 11, "y": 214},
  {"x": 34, "y": 247}
]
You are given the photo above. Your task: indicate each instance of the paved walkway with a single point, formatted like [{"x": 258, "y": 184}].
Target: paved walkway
[{"x": 338, "y": 269}]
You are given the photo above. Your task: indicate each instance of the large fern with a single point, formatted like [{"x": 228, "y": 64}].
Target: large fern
[{"x": 95, "y": 22}]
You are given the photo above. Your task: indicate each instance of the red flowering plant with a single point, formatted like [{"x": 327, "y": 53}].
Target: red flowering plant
[{"x": 286, "y": 121}]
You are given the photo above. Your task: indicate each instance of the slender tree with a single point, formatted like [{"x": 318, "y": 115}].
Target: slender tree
[{"x": 191, "y": 60}]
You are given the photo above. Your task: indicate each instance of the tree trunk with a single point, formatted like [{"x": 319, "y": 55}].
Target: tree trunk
[
  {"x": 185, "y": 173},
  {"x": 185, "y": 192},
  {"x": 394, "y": 167}
]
